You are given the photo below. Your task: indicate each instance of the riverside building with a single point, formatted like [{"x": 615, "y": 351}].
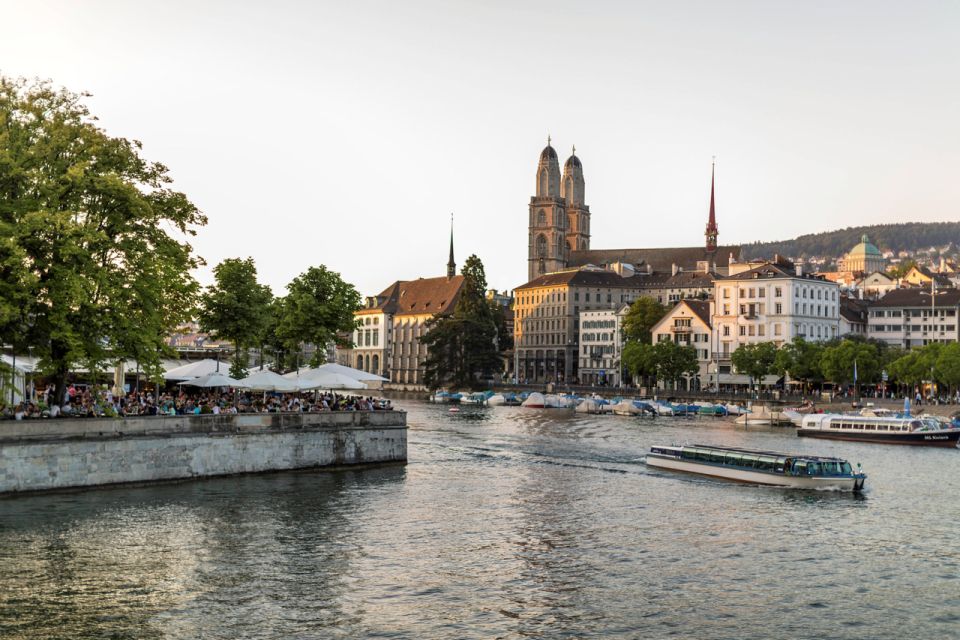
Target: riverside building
[
  {"x": 601, "y": 346},
  {"x": 772, "y": 302},
  {"x": 915, "y": 317},
  {"x": 688, "y": 324}
]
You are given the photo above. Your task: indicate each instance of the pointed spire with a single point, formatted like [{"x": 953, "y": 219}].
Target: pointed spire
[
  {"x": 574, "y": 152},
  {"x": 548, "y": 140},
  {"x": 451, "y": 265},
  {"x": 712, "y": 231}
]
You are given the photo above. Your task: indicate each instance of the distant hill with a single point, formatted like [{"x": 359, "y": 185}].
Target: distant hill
[{"x": 908, "y": 236}]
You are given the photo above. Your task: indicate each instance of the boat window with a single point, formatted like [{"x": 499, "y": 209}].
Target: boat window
[
  {"x": 800, "y": 468},
  {"x": 858, "y": 426},
  {"x": 847, "y": 469},
  {"x": 915, "y": 424},
  {"x": 871, "y": 427},
  {"x": 881, "y": 427},
  {"x": 749, "y": 461},
  {"x": 813, "y": 468},
  {"x": 846, "y": 425}
]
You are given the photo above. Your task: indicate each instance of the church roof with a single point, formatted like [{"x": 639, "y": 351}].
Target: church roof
[
  {"x": 659, "y": 259},
  {"x": 864, "y": 248},
  {"x": 598, "y": 278},
  {"x": 572, "y": 161},
  {"x": 416, "y": 297},
  {"x": 548, "y": 153}
]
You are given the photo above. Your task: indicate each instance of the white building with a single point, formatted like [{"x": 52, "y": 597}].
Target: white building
[
  {"x": 601, "y": 346},
  {"x": 915, "y": 317},
  {"x": 772, "y": 302}
]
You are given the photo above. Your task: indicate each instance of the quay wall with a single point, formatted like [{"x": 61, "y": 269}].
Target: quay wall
[{"x": 66, "y": 453}]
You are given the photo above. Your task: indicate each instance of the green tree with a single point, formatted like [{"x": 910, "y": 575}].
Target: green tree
[
  {"x": 318, "y": 309},
  {"x": 638, "y": 359},
  {"x": 901, "y": 268},
  {"x": 838, "y": 361},
  {"x": 757, "y": 360},
  {"x": 236, "y": 308},
  {"x": 643, "y": 314},
  {"x": 95, "y": 239},
  {"x": 462, "y": 346},
  {"x": 674, "y": 361},
  {"x": 800, "y": 360},
  {"x": 947, "y": 366}
]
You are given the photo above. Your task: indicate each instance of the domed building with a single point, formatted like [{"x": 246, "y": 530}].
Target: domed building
[{"x": 864, "y": 258}]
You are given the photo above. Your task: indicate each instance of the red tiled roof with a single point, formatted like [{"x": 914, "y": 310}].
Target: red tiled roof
[{"x": 421, "y": 296}]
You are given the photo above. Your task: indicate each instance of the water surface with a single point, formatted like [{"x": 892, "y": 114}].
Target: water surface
[{"x": 509, "y": 523}]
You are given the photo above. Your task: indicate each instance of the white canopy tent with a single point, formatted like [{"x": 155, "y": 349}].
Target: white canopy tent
[
  {"x": 211, "y": 380},
  {"x": 316, "y": 379},
  {"x": 196, "y": 370},
  {"x": 267, "y": 380}
]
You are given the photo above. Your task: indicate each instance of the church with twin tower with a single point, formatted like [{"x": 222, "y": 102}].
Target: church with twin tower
[{"x": 559, "y": 229}]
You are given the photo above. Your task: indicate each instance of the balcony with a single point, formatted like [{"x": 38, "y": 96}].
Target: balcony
[{"x": 680, "y": 329}]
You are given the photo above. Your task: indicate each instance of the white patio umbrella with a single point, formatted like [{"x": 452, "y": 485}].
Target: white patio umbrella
[
  {"x": 267, "y": 380},
  {"x": 317, "y": 379},
  {"x": 211, "y": 380},
  {"x": 194, "y": 370},
  {"x": 356, "y": 374}
]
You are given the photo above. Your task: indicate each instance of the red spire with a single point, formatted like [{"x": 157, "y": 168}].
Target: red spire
[{"x": 712, "y": 223}]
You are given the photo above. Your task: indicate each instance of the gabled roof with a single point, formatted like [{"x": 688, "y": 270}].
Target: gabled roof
[
  {"x": 853, "y": 310},
  {"x": 916, "y": 297},
  {"x": 701, "y": 308},
  {"x": 659, "y": 259},
  {"x": 417, "y": 297},
  {"x": 772, "y": 270}
]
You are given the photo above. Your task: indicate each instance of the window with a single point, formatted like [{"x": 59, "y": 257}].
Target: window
[
  {"x": 726, "y": 330},
  {"x": 779, "y": 308},
  {"x": 541, "y": 218},
  {"x": 776, "y": 329},
  {"x": 761, "y": 330},
  {"x": 541, "y": 245},
  {"x": 743, "y": 330},
  {"x": 726, "y": 293},
  {"x": 778, "y": 293}
]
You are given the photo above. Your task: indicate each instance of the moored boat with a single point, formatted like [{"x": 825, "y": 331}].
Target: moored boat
[
  {"x": 918, "y": 430},
  {"x": 798, "y": 471}
]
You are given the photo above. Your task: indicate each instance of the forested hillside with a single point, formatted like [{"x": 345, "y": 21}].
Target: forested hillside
[{"x": 908, "y": 236}]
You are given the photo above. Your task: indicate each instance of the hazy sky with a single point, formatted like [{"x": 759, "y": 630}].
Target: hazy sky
[{"x": 345, "y": 133}]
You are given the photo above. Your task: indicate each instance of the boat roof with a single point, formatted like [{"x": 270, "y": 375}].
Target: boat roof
[{"x": 759, "y": 452}]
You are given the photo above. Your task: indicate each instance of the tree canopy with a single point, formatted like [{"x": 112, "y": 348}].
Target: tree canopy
[
  {"x": 236, "y": 308},
  {"x": 464, "y": 346},
  {"x": 318, "y": 309},
  {"x": 94, "y": 258},
  {"x": 644, "y": 313},
  {"x": 756, "y": 360}
]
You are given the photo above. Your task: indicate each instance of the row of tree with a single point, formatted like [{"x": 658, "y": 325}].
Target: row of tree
[
  {"x": 317, "y": 309},
  {"x": 95, "y": 254}
]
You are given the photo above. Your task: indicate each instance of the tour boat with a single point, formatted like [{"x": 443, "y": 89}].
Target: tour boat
[
  {"x": 798, "y": 471},
  {"x": 918, "y": 430}
]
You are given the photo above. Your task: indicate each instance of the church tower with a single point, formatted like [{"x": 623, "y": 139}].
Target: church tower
[
  {"x": 451, "y": 263},
  {"x": 712, "y": 230},
  {"x": 578, "y": 213},
  {"x": 547, "y": 247}
]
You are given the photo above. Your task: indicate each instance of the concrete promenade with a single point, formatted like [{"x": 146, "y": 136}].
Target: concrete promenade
[{"x": 82, "y": 452}]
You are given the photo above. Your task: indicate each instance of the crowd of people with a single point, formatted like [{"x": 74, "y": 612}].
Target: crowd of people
[{"x": 103, "y": 403}]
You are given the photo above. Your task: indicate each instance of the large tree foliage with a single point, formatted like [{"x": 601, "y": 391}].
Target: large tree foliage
[
  {"x": 756, "y": 360},
  {"x": 94, "y": 238},
  {"x": 800, "y": 360},
  {"x": 318, "y": 309},
  {"x": 638, "y": 359},
  {"x": 673, "y": 361},
  {"x": 643, "y": 314},
  {"x": 838, "y": 362},
  {"x": 236, "y": 308},
  {"x": 463, "y": 346}
]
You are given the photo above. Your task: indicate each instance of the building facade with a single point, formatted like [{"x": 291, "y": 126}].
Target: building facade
[
  {"x": 688, "y": 324},
  {"x": 773, "y": 302},
  {"x": 915, "y": 317},
  {"x": 601, "y": 346},
  {"x": 863, "y": 258}
]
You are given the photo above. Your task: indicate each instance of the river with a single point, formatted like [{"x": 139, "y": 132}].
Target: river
[{"x": 506, "y": 523}]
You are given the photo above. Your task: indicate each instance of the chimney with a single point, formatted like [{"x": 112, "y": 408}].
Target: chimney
[
  {"x": 674, "y": 269},
  {"x": 799, "y": 270}
]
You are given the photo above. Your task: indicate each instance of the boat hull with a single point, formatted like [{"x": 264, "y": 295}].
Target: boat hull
[
  {"x": 915, "y": 438},
  {"x": 754, "y": 477}
]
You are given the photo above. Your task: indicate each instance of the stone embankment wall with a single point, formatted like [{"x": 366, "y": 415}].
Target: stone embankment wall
[{"x": 62, "y": 453}]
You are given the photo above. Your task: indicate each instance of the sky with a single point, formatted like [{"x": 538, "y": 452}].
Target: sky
[{"x": 346, "y": 133}]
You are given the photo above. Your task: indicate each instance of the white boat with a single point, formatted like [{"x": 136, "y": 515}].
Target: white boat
[
  {"x": 662, "y": 408},
  {"x": 763, "y": 415},
  {"x": 735, "y": 409},
  {"x": 626, "y": 408},
  {"x": 535, "y": 400},
  {"x": 796, "y": 471},
  {"x": 590, "y": 405},
  {"x": 923, "y": 431},
  {"x": 477, "y": 399},
  {"x": 496, "y": 400}
]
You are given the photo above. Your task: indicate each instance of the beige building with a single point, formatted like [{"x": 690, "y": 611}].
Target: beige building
[
  {"x": 390, "y": 326},
  {"x": 688, "y": 324},
  {"x": 915, "y": 317},
  {"x": 601, "y": 346}
]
